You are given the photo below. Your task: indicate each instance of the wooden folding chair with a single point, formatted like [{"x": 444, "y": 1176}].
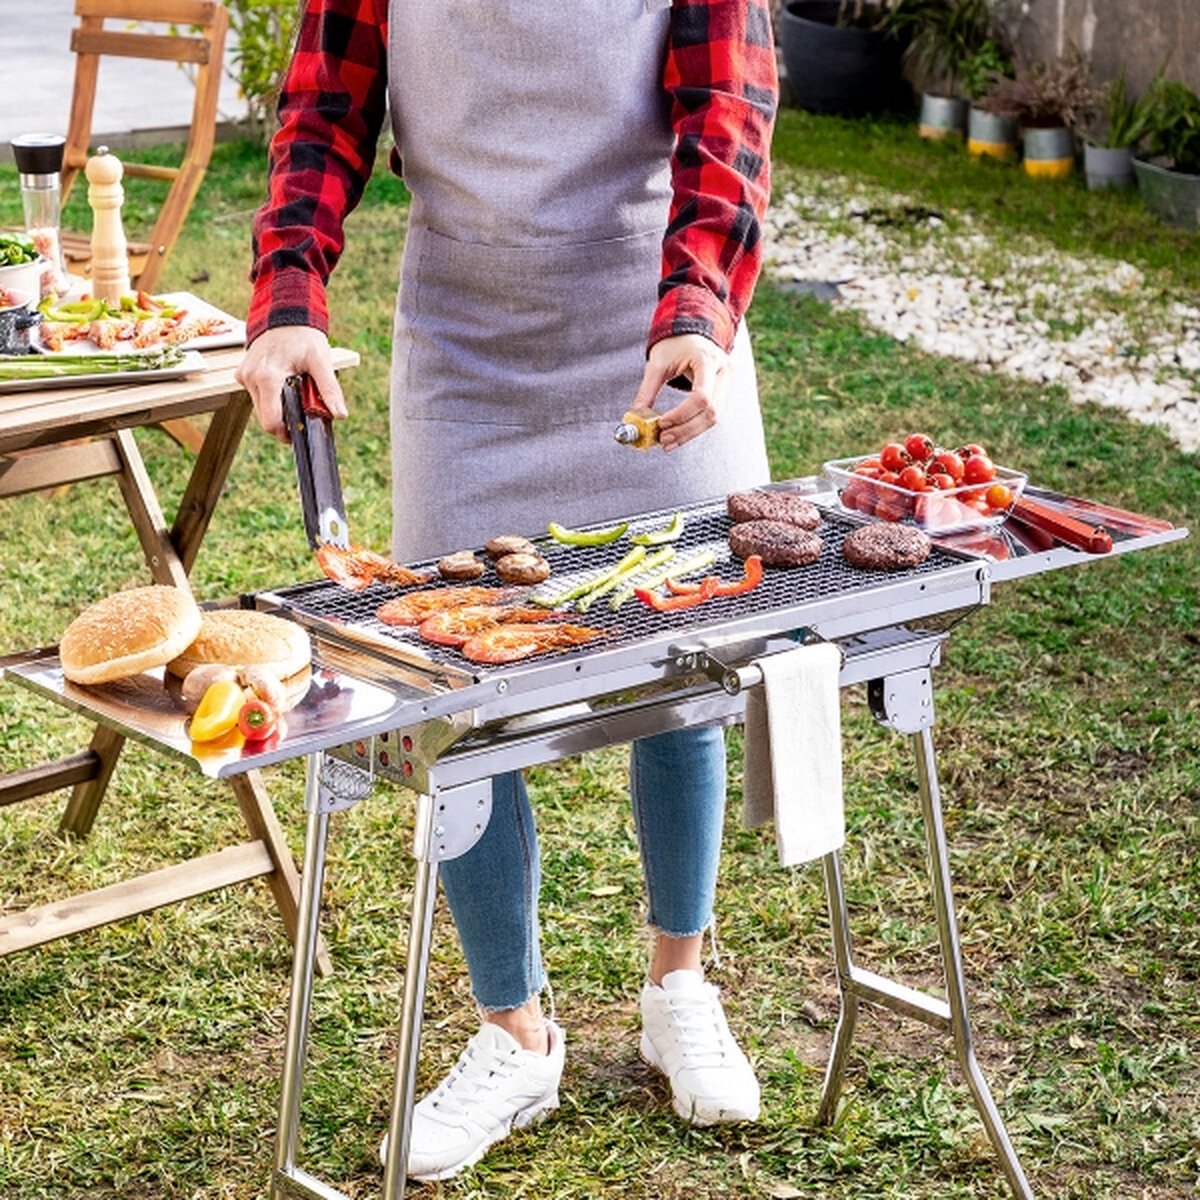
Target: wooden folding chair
[
  {"x": 178, "y": 31},
  {"x": 181, "y": 31}
]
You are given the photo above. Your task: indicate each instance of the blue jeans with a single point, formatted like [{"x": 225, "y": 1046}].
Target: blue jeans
[{"x": 677, "y": 783}]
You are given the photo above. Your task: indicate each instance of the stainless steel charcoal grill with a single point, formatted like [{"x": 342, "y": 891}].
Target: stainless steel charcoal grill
[{"x": 384, "y": 704}]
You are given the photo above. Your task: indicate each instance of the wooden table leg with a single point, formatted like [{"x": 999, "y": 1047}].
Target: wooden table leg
[
  {"x": 208, "y": 477},
  {"x": 80, "y": 812}
]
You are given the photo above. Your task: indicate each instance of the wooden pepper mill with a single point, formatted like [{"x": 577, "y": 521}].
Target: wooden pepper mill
[{"x": 110, "y": 254}]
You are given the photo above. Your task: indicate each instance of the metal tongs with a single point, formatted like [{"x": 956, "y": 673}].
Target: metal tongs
[{"x": 310, "y": 426}]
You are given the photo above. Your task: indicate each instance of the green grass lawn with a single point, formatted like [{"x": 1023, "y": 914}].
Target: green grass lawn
[{"x": 142, "y": 1060}]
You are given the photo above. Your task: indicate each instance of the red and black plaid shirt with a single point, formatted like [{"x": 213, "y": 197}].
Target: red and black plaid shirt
[{"x": 719, "y": 73}]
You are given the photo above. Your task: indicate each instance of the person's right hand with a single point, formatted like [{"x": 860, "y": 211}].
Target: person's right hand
[{"x": 276, "y": 354}]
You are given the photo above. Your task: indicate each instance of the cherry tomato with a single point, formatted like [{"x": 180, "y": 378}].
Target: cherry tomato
[
  {"x": 949, "y": 463},
  {"x": 978, "y": 469},
  {"x": 872, "y": 462},
  {"x": 970, "y": 449},
  {"x": 941, "y": 481},
  {"x": 998, "y": 496},
  {"x": 868, "y": 472},
  {"x": 894, "y": 457},
  {"x": 919, "y": 447},
  {"x": 913, "y": 478},
  {"x": 889, "y": 477},
  {"x": 857, "y": 494},
  {"x": 256, "y": 720}
]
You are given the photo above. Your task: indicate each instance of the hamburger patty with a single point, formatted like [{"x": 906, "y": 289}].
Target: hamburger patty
[
  {"x": 886, "y": 546},
  {"x": 777, "y": 543},
  {"x": 772, "y": 506}
]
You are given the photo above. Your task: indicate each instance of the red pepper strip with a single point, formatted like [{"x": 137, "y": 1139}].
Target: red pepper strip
[
  {"x": 256, "y": 720},
  {"x": 706, "y": 590},
  {"x": 751, "y": 578}
]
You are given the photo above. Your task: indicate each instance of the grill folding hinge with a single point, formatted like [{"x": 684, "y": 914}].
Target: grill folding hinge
[
  {"x": 902, "y": 702},
  {"x": 450, "y": 822}
]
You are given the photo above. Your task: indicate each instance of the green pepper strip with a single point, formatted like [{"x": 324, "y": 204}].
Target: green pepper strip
[
  {"x": 751, "y": 578},
  {"x": 659, "y": 603},
  {"x": 585, "y": 537},
  {"x": 656, "y": 537}
]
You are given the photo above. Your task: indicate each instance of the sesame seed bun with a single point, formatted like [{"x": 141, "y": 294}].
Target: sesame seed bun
[
  {"x": 242, "y": 637},
  {"x": 127, "y": 633}
]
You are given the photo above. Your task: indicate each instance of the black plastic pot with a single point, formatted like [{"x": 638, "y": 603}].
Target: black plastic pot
[
  {"x": 842, "y": 70},
  {"x": 15, "y": 326}
]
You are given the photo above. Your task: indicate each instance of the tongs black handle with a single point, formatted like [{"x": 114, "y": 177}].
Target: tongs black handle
[{"x": 310, "y": 426}]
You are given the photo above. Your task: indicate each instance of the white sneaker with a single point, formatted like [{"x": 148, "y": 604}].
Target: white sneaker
[
  {"x": 685, "y": 1035},
  {"x": 495, "y": 1087}
]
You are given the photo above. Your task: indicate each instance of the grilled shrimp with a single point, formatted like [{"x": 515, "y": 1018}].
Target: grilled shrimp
[
  {"x": 417, "y": 606},
  {"x": 453, "y": 626},
  {"x": 356, "y": 568},
  {"x": 510, "y": 643}
]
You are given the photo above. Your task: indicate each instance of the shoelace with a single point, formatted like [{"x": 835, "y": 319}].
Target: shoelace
[
  {"x": 701, "y": 1032},
  {"x": 472, "y": 1075}
]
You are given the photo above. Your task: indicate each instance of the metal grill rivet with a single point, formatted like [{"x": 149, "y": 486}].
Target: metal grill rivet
[
  {"x": 501, "y": 686},
  {"x": 440, "y": 831}
]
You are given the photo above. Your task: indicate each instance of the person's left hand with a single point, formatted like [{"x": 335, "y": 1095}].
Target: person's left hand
[{"x": 706, "y": 365}]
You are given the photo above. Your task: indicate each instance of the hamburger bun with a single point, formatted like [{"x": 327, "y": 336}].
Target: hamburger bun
[
  {"x": 127, "y": 633},
  {"x": 244, "y": 637}
]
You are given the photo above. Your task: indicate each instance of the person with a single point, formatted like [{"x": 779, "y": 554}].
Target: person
[{"x": 588, "y": 182}]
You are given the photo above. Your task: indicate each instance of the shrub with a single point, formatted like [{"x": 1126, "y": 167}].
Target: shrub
[
  {"x": 266, "y": 31},
  {"x": 1046, "y": 94},
  {"x": 1174, "y": 124}
]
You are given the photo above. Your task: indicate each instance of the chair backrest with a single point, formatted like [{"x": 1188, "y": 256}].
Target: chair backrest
[{"x": 180, "y": 31}]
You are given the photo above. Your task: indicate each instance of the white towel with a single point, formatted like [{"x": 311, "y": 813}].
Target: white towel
[{"x": 793, "y": 752}]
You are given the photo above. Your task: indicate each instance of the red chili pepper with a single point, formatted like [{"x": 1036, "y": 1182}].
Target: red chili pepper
[
  {"x": 705, "y": 591},
  {"x": 256, "y": 720},
  {"x": 751, "y": 578}
]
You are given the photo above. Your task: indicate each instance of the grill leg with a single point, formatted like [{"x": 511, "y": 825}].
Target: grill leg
[
  {"x": 904, "y": 702},
  {"x": 960, "y": 1023},
  {"x": 415, "y": 973},
  {"x": 843, "y": 957},
  {"x": 303, "y": 965}
]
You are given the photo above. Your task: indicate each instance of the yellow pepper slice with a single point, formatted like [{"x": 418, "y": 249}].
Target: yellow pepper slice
[{"x": 217, "y": 712}]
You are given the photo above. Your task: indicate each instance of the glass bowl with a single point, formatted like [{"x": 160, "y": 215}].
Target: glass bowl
[{"x": 948, "y": 511}]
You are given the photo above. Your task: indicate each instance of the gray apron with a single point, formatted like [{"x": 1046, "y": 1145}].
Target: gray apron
[{"x": 535, "y": 140}]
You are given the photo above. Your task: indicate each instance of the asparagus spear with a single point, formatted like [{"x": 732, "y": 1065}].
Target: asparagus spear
[{"x": 14, "y": 367}]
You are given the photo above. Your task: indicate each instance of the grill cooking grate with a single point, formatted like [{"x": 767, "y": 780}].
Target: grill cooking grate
[{"x": 704, "y": 525}]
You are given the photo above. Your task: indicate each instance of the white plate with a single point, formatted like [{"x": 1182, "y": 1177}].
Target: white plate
[
  {"x": 192, "y": 364},
  {"x": 235, "y": 336}
]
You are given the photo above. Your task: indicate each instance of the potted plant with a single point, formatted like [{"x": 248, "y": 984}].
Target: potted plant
[
  {"x": 989, "y": 134},
  {"x": 1169, "y": 178},
  {"x": 1048, "y": 100},
  {"x": 942, "y": 36},
  {"x": 843, "y": 56},
  {"x": 1110, "y": 142}
]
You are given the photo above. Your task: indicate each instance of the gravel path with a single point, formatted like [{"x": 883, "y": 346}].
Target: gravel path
[{"x": 1095, "y": 326}]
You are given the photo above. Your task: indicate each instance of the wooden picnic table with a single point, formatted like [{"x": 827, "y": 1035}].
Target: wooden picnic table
[{"x": 66, "y": 435}]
